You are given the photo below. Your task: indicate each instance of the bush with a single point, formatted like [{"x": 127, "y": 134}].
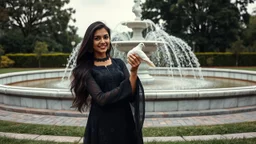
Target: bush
[
  {"x": 6, "y": 62},
  {"x": 47, "y": 60},
  {"x": 227, "y": 59}
]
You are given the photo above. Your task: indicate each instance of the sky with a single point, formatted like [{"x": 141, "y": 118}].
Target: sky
[{"x": 111, "y": 12}]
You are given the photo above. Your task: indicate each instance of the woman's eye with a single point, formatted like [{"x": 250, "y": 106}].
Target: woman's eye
[{"x": 106, "y": 37}]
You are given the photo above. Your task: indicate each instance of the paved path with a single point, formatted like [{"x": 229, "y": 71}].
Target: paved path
[{"x": 149, "y": 122}]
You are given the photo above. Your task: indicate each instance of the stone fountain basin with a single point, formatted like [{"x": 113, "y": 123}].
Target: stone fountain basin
[{"x": 156, "y": 100}]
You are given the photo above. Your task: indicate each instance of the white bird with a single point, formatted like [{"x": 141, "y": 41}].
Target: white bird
[{"x": 138, "y": 50}]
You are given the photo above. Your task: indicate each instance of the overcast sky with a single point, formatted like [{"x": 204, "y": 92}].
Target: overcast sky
[{"x": 111, "y": 12}]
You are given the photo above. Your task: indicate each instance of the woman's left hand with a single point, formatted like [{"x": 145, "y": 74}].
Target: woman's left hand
[{"x": 135, "y": 61}]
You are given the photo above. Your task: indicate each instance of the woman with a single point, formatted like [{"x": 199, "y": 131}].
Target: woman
[{"x": 116, "y": 102}]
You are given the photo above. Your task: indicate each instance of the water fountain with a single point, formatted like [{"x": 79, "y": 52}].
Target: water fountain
[
  {"x": 137, "y": 27},
  {"x": 180, "y": 61},
  {"x": 176, "y": 53}
]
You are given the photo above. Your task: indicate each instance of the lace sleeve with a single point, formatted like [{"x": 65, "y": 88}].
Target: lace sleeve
[{"x": 112, "y": 96}]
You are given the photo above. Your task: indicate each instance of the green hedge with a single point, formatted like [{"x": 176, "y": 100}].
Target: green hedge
[
  {"x": 226, "y": 59},
  {"x": 47, "y": 60},
  {"x": 205, "y": 59}
]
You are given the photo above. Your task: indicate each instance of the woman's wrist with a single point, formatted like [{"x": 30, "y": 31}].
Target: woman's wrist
[{"x": 133, "y": 72}]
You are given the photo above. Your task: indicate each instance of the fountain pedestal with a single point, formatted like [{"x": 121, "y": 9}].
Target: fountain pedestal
[
  {"x": 137, "y": 27},
  {"x": 150, "y": 46}
]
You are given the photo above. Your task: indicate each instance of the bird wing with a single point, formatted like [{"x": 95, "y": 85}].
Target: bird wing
[
  {"x": 137, "y": 50},
  {"x": 144, "y": 57}
]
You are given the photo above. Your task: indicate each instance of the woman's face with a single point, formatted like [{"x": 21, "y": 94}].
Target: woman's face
[{"x": 101, "y": 42}]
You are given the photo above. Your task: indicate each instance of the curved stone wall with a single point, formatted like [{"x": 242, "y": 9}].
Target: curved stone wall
[{"x": 156, "y": 100}]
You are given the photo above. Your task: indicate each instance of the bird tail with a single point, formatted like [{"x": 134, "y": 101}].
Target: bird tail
[{"x": 150, "y": 63}]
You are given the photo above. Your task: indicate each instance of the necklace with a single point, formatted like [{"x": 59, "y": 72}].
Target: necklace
[{"x": 101, "y": 59}]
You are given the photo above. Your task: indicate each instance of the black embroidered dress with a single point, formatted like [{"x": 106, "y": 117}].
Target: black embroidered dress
[{"x": 116, "y": 116}]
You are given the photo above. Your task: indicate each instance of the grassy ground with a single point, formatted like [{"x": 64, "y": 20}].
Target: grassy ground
[
  {"x": 14, "y": 127},
  {"x": 8, "y": 70},
  {"x": 4, "y": 140},
  {"x": 238, "y": 68}
]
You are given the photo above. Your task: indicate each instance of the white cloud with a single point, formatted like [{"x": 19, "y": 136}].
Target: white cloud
[
  {"x": 111, "y": 12},
  {"x": 251, "y": 7}
]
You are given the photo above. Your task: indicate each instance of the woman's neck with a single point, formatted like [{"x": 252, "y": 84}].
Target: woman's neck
[
  {"x": 102, "y": 59},
  {"x": 100, "y": 55}
]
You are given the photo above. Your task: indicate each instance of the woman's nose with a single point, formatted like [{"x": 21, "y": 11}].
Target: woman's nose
[{"x": 102, "y": 40}]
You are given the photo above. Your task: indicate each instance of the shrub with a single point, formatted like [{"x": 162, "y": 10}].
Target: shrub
[{"x": 6, "y": 62}]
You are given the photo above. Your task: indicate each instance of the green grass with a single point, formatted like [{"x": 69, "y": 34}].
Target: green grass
[
  {"x": 4, "y": 140},
  {"x": 239, "y": 68},
  {"x": 8, "y": 70},
  {"x": 250, "y": 68},
  {"x": 201, "y": 130},
  {"x": 233, "y": 141},
  {"x": 14, "y": 127}
]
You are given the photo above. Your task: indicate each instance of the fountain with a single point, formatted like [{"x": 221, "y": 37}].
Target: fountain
[
  {"x": 137, "y": 27},
  {"x": 180, "y": 63},
  {"x": 176, "y": 53}
]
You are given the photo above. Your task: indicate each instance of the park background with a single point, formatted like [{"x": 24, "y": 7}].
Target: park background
[{"x": 44, "y": 33}]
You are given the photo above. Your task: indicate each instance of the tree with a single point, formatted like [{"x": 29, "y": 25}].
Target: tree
[
  {"x": 32, "y": 16},
  {"x": 242, "y": 6},
  {"x": 249, "y": 35},
  {"x": 212, "y": 24},
  {"x": 40, "y": 48},
  {"x": 236, "y": 48},
  {"x": 45, "y": 20}
]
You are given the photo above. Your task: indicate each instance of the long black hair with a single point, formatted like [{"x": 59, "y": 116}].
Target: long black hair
[{"x": 84, "y": 64}]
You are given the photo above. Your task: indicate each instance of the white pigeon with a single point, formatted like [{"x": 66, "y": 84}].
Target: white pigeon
[{"x": 138, "y": 50}]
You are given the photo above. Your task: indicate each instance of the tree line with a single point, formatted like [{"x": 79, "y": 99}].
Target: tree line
[
  {"x": 206, "y": 25},
  {"x": 25, "y": 23}
]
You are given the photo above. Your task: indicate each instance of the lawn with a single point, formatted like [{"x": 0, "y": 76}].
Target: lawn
[
  {"x": 7, "y": 70},
  {"x": 4, "y": 140},
  {"x": 15, "y": 127},
  {"x": 238, "y": 68}
]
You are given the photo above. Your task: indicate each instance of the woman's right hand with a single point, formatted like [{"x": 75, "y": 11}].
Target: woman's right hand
[{"x": 135, "y": 61}]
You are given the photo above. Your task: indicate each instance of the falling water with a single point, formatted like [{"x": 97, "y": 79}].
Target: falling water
[{"x": 175, "y": 53}]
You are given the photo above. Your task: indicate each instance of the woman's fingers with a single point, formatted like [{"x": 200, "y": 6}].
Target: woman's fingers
[{"x": 134, "y": 60}]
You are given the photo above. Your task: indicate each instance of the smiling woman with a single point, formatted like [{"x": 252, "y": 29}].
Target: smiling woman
[
  {"x": 101, "y": 45},
  {"x": 105, "y": 85}
]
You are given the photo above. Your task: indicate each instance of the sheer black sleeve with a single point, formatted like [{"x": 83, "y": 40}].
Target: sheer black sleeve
[
  {"x": 124, "y": 90},
  {"x": 137, "y": 104}
]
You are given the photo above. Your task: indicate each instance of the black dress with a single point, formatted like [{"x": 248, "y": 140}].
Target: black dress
[{"x": 116, "y": 116}]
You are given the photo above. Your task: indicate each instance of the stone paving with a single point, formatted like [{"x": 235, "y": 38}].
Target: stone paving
[{"x": 149, "y": 122}]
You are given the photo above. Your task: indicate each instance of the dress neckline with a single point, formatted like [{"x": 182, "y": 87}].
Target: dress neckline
[{"x": 105, "y": 65}]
